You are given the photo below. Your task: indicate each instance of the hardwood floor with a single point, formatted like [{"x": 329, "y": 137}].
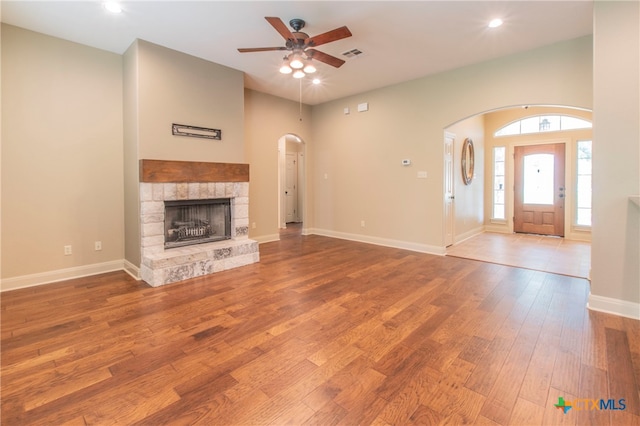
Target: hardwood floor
[{"x": 320, "y": 332}]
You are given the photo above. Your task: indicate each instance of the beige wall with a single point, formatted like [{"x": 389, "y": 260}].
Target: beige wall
[
  {"x": 360, "y": 154},
  {"x": 616, "y": 167},
  {"x": 162, "y": 87},
  {"x": 497, "y": 119},
  {"x": 61, "y": 155},
  {"x": 131, "y": 157},
  {"x": 267, "y": 119},
  {"x": 468, "y": 206},
  {"x": 174, "y": 87},
  {"x": 292, "y": 145}
]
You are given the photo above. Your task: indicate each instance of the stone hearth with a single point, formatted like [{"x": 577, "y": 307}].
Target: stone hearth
[{"x": 161, "y": 266}]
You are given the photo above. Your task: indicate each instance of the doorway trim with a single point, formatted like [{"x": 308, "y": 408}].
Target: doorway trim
[
  {"x": 510, "y": 179},
  {"x": 282, "y": 172},
  {"x": 448, "y": 224}
]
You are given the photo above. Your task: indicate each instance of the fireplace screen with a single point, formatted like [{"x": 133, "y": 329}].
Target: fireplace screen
[{"x": 196, "y": 221}]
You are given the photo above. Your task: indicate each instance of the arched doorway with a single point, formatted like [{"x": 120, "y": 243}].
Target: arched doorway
[
  {"x": 291, "y": 180},
  {"x": 488, "y": 203}
]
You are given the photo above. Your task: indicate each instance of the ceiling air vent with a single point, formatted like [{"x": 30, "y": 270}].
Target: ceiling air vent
[{"x": 352, "y": 53}]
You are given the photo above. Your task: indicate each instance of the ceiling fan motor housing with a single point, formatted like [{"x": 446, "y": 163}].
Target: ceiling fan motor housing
[
  {"x": 297, "y": 24},
  {"x": 300, "y": 37}
]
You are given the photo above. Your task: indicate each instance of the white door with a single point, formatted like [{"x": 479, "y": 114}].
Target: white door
[
  {"x": 448, "y": 189},
  {"x": 291, "y": 188}
]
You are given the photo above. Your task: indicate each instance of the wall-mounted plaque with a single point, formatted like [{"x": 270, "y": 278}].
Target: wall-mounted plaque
[{"x": 196, "y": 132}]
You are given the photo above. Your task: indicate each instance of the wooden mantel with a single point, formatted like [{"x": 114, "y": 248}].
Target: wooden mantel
[{"x": 163, "y": 171}]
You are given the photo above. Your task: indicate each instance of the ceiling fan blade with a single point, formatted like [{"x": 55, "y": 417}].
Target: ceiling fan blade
[
  {"x": 260, "y": 49},
  {"x": 323, "y": 57},
  {"x": 280, "y": 27},
  {"x": 329, "y": 36}
]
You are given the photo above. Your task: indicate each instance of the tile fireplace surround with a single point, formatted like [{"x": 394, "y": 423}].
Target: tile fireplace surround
[{"x": 162, "y": 181}]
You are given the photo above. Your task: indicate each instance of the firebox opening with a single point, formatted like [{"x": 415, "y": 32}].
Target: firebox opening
[{"x": 188, "y": 222}]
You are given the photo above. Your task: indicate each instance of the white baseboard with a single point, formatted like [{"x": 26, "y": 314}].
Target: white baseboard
[
  {"x": 465, "y": 236},
  {"x": 406, "y": 245},
  {"x": 60, "y": 275},
  {"x": 578, "y": 236},
  {"x": 619, "y": 307},
  {"x": 266, "y": 238},
  {"x": 497, "y": 229},
  {"x": 132, "y": 269}
]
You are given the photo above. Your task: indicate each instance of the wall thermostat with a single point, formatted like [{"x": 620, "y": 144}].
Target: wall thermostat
[{"x": 406, "y": 162}]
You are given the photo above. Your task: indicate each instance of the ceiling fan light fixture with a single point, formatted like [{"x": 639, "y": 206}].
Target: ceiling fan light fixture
[
  {"x": 285, "y": 68},
  {"x": 298, "y": 74},
  {"x": 296, "y": 62},
  {"x": 309, "y": 68}
]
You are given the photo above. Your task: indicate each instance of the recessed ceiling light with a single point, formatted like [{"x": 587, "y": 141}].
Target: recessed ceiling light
[
  {"x": 112, "y": 6},
  {"x": 316, "y": 81},
  {"x": 495, "y": 23}
]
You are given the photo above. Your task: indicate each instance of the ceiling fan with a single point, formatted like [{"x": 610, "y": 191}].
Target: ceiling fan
[{"x": 302, "y": 46}]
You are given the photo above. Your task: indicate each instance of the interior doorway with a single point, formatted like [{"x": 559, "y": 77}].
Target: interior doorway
[
  {"x": 291, "y": 176},
  {"x": 539, "y": 189}
]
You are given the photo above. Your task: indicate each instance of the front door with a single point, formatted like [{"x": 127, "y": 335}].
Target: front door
[{"x": 539, "y": 191}]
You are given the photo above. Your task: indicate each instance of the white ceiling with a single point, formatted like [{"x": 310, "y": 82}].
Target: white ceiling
[{"x": 401, "y": 40}]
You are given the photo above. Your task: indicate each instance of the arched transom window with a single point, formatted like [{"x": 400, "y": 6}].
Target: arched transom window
[{"x": 543, "y": 123}]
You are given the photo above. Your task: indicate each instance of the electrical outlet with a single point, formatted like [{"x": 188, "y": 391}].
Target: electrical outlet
[
  {"x": 67, "y": 250},
  {"x": 362, "y": 223},
  {"x": 253, "y": 225},
  {"x": 98, "y": 245}
]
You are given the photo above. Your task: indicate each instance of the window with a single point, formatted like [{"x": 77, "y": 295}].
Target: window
[
  {"x": 498, "y": 182},
  {"x": 538, "y": 179},
  {"x": 543, "y": 123},
  {"x": 583, "y": 187}
]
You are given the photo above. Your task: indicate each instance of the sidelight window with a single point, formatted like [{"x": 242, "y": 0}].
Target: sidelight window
[
  {"x": 583, "y": 187},
  {"x": 498, "y": 182}
]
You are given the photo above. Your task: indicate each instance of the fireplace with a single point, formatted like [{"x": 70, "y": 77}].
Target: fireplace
[
  {"x": 194, "y": 219},
  {"x": 196, "y": 222}
]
